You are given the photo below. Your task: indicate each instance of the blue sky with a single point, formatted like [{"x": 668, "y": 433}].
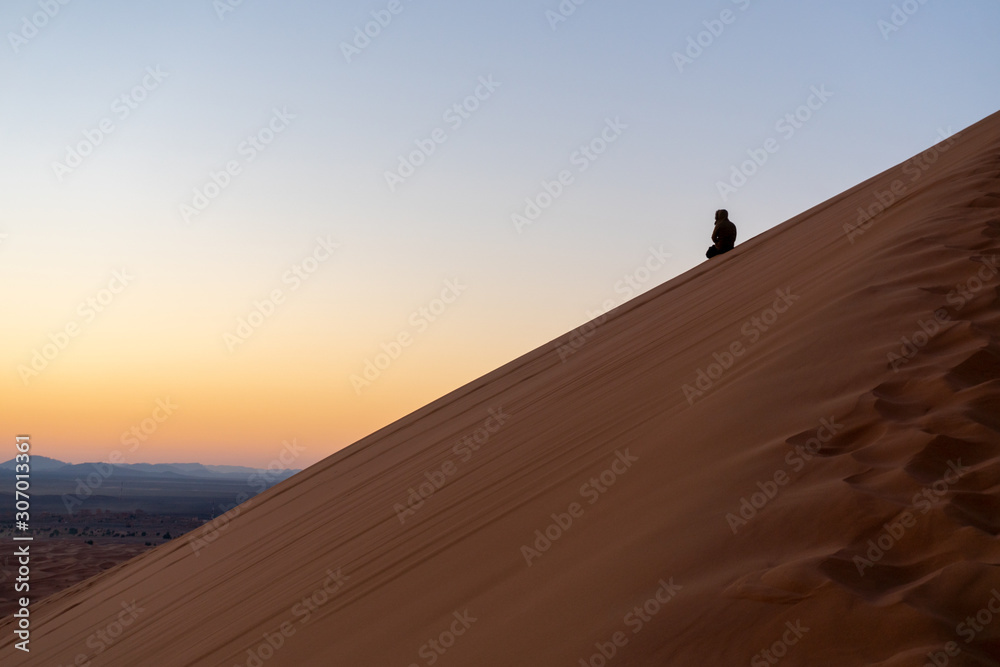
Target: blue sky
[{"x": 556, "y": 85}]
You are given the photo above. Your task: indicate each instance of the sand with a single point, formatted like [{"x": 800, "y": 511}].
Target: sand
[
  {"x": 58, "y": 563},
  {"x": 813, "y": 501}
]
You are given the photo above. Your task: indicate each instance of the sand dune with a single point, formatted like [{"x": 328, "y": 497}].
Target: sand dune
[{"x": 787, "y": 455}]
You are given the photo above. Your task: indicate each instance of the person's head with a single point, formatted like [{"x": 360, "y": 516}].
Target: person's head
[{"x": 721, "y": 214}]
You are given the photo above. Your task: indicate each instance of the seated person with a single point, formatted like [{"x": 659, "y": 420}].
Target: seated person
[{"x": 724, "y": 235}]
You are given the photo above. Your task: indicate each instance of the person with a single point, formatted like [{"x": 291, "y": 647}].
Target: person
[{"x": 724, "y": 235}]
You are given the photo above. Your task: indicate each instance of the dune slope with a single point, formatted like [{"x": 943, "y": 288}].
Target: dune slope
[{"x": 786, "y": 455}]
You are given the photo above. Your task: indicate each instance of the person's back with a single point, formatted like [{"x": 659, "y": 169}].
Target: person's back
[{"x": 724, "y": 235}]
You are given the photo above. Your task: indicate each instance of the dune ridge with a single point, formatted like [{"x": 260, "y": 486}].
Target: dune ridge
[{"x": 787, "y": 455}]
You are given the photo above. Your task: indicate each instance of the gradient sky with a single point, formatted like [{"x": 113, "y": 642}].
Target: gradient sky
[{"x": 222, "y": 76}]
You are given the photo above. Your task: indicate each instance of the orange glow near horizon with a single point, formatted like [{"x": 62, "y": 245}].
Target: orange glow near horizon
[{"x": 223, "y": 408}]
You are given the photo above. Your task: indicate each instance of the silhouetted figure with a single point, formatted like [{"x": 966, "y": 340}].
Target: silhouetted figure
[{"x": 724, "y": 234}]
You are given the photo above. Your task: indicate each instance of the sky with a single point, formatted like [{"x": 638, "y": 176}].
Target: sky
[{"x": 229, "y": 225}]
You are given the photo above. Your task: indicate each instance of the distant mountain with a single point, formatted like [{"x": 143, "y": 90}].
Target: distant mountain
[
  {"x": 183, "y": 489},
  {"x": 37, "y": 463},
  {"x": 199, "y": 470}
]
